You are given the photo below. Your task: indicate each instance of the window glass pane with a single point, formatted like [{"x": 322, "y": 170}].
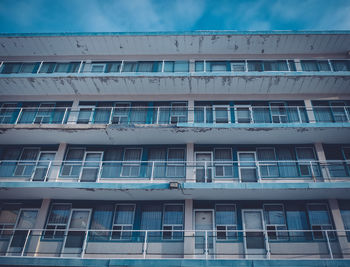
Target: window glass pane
[
  {"x": 62, "y": 67},
  {"x": 243, "y": 114},
  {"x": 132, "y": 154},
  {"x": 129, "y": 66},
  {"x": 113, "y": 67},
  {"x": 173, "y": 214},
  {"x": 266, "y": 154},
  {"x": 124, "y": 214},
  {"x": 102, "y": 217},
  {"x": 59, "y": 214},
  {"x": 309, "y": 65},
  {"x": 223, "y": 154},
  {"x": 97, "y": 68},
  {"x": 225, "y": 214},
  {"x": 168, "y": 66},
  {"x": 305, "y": 153},
  {"x": 323, "y": 65},
  {"x": 255, "y": 66},
  {"x": 318, "y": 214},
  {"x": 47, "y": 67},
  {"x": 181, "y": 66},
  {"x": 346, "y": 218},
  {"x": 27, "y": 219},
  {"x": 175, "y": 154},
  {"x": 145, "y": 67},
  {"x": 199, "y": 66},
  {"x": 29, "y": 154},
  {"x": 218, "y": 66},
  {"x": 274, "y": 214},
  {"x": 237, "y": 66},
  {"x": 11, "y": 68},
  {"x": 28, "y": 67},
  {"x": 341, "y": 65},
  {"x": 292, "y": 66},
  {"x": 75, "y": 154}
]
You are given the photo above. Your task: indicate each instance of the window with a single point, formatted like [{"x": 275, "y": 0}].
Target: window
[
  {"x": 176, "y": 167},
  {"x": 226, "y": 222},
  {"x": 85, "y": 114},
  {"x": 277, "y": 65},
  {"x": 315, "y": 65},
  {"x": 243, "y": 114},
  {"x": 29, "y": 68},
  {"x": 292, "y": 66},
  {"x": 255, "y": 65},
  {"x": 27, "y": 161},
  {"x": 345, "y": 214},
  {"x": 9, "y": 68},
  {"x": 129, "y": 66},
  {"x": 275, "y": 221},
  {"x": 44, "y": 114},
  {"x": 223, "y": 169},
  {"x": 151, "y": 219},
  {"x": 176, "y": 66},
  {"x": 57, "y": 221},
  {"x": 199, "y": 66},
  {"x": 145, "y": 66},
  {"x": 98, "y": 67},
  {"x": 307, "y": 162},
  {"x": 341, "y": 65},
  {"x": 218, "y": 66},
  {"x": 132, "y": 162},
  {"x": 172, "y": 222},
  {"x": 267, "y": 162},
  {"x": 121, "y": 113},
  {"x": 237, "y": 66},
  {"x": 340, "y": 112},
  {"x": 72, "y": 165},
  {"x": 69, "y": 67},
  {"x": 222, "y": 114},
  {"x": 178, "y": 112},
  {"x": 123, "y": 221},
  {"x": 278, "y": 112},
  {"x": 320, "y": 221},
  {"x": 7, "y": 113},
  {"x": 8, "y": 218}
]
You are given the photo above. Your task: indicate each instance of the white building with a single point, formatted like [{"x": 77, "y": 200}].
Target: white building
[{"x": 175, "y": 149}]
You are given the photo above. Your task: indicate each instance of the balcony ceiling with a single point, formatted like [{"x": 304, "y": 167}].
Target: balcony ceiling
[{"x": 174, "y": 43}]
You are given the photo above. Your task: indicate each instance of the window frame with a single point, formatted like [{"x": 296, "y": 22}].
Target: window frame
[
  {"x": 228, "y": 112},
  {"x": 307, "y": 163},
  {"x": 12, "y": 110},
  {"x": 249, "y": 107},
  {"x": 128, "y": 109},
  {"x": 267, "y": 164},
  {"x": 72, "y": 163},
  {"x": 26, "y": 163},
  {"x": 173, "y": 225},
  {"x": 57, "y": 225},
  {"x": 133, "y": 164},
  {"x": 122, "y": 230},
  {"x": 322, "y": 227},
  {"x": 223, "y": 165},
  {"x": 279, "y": 115},
  {"x": 173, "y": 109}
]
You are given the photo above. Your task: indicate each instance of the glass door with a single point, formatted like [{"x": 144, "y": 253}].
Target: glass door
[
  {"x": 204, "y": 167},
  {"x": 248, "y": 171},
  {"x": 254, "y": 238},
  {"x": 25, "y": 221},
  {"x": 204, "y": 223},
  {"x": 79, "y": 221}
]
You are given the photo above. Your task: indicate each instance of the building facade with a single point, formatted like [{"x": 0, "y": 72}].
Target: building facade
[{"x": 175, "y": 149}]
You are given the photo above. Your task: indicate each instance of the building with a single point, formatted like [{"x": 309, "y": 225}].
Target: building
[{"x": 208, "y": 148}]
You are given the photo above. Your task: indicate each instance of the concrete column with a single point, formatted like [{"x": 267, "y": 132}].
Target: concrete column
[
  {"x": 189, "y": 236},
  {"x": 192, "y": 65},
  {"x": 298, "y": 65},
  {"x": 56, "y": 165},
  {"x": 34, "y": 244},
  {"x": 74, "y": 113},
  {"x": 309, "y": 111},
  {"x": 190, "y": 105},
  {"x": 339, "y": 226},
  {"x": 190, "y": 166},
  {"x": 323, "y": 162}
]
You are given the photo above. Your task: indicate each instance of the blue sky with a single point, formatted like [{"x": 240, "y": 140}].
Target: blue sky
[{"x": 171, "y": 15}]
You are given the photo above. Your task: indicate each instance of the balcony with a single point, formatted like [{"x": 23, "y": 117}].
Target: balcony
[
  {"x": 226, "y": 124},
  {"x": 175, "y": 77},
  {"x": 176, "y": 244},
  {"x": 176, "y": 171}
]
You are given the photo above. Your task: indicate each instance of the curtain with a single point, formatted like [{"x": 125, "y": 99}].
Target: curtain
[
  {"x": 151, "y": 219},
  {"x": 157, "y": 154},
  {"x": 101, "y": 220},
  {"x": 323, "y": 114},
  {"x": 47, "y": 67},
  {"x": 255, "y": 66},
  {"x": 309, "y": 65},
  {"x": 296, "y": 220},
  {"x": 113, "y": 67},
  {"x": 11, "y": 68},
  {"x": 280, "y": 65},
  {"x": 138, "y": 115},
  {"x": 222, "y": 169},
  {"x": 176, "y": 169},
  {"x": 324, "y": 65},
  {"x": 199, "y": 114},
  {"x": 62, "y": 67},
  {"x": 218, "y": 66},
  {"x": 28, "y": 68},
  {"x": 293, "y": 115},
  {"x": 340, "y": 65},
  {"x": 164, "y": 115},
  {"x": 129, "y": 66},
  {"x": 261, "y": 115},
  {"x": 318, "y": 214},
  {"x": 173, "y": 214},
  {"x": 287, "y": 169},
  {"x": 28, "y": 115},
  {"x": 102, "y": 115},
  {"x": 225, "y": 215},
  {"x": 145, "y": 66},
  {"x": 84, "y": 115},
  {"x": 181, "y": 66},
  {"x": 274, "y": 214},
  {"x": 58, "y": 114},
  {"x": 267, "y": 169},
  {"x": 7, "y": 167},
  {"x": 112, "y": 169}
]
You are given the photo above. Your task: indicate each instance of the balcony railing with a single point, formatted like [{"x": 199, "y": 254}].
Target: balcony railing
[
  {"x": 213, "y": 115},
  {"x": 160, "y": 171},
  {"x": 200, "y": 244}
]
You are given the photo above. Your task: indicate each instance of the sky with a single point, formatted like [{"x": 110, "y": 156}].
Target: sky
[{"x": 25, "y": 16}]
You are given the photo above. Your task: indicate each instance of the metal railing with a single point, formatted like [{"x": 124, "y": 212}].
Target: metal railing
[
  {"x": 193, "y": 171},
  {"x": 207, "y": 244},
  {"x": 170, "y": 115}
]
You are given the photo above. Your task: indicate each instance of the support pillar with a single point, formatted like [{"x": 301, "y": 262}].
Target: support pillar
[
  {"x": 323, "y": 161},
  {"x": 189, "y": 235},
  {"x": 309, "y": 111},
  {"x": 190, "y": 165},
  {"x": 190, "y": 111},
  {"x": 74, "y": 113},
  {"x": 56, "y": 165},
  {"x": 298, "y": 65},
  {"x": 344, "y": 245}
]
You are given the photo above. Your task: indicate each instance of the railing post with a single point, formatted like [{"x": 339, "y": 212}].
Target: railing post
[
  {"x": 84, "y": 244},
  {"x": 145, "y": 245},
  {"x": 152, "y": 171},
  {"x": 268, "y": 251},
  {"x": 299, "y": 114},
  {"x": 19, "y": 115},
  {"x": 205, "y": 172},
  {"x": 206, "y": 244},
  {"x": 25, "y": 242},
  {"x": 329, "y": 245}
]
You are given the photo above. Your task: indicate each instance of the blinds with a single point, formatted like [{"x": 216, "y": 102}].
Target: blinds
[
  {"x": 225, "y": 214},
  {"x": 173, "y": 214},
  {"x": 59, "y": 214}
]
